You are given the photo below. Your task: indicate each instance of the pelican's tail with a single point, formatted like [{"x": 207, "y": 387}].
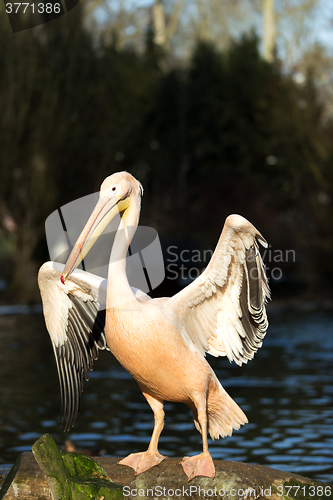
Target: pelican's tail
[{"x": 224, "y": 414}]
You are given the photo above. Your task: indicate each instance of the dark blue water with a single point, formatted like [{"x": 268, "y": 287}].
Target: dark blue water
[{"x": 286, "y": 392}]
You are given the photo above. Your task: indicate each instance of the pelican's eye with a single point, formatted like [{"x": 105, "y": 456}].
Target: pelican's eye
[{"x": 111, "y": 191}]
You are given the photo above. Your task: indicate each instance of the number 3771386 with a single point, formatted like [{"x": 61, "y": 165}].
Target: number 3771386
[{"x": 40, "y": 8}]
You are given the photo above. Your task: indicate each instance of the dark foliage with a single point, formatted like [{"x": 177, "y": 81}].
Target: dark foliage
[{"x": 229, "y": 133}]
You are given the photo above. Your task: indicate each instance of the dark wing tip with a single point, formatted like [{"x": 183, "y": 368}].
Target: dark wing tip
[
  {"x": 253, "y": 297},
  {"x": 75, "y": 357}
]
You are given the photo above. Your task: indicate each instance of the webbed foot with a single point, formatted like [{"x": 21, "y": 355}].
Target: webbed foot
[
  {"x": 199, "y": 465},
  {"x": 142, "y": 461}
]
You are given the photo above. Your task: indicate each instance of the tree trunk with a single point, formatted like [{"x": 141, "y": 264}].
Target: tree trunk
[
  {"x": 158, "y": 15},
  {"x": 269, "y": 30}
]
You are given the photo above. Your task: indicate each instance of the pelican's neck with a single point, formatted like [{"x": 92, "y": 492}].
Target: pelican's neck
[{"x": 119, "y": 290}]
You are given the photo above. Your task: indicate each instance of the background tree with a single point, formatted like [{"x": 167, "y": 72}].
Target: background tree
[
  {"x": 225, "y": 131},
  {"x": 269, "y": 30}
]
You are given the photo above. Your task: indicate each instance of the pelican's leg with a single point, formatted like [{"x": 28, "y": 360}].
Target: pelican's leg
[
  {"x": 200, "y": 465},
  {"x": 144, "y": 460}
]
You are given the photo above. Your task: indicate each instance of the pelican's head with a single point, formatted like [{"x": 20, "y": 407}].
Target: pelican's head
[{"x": 117, "y": 193}]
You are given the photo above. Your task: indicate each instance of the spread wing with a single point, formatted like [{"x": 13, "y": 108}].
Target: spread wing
[
  {"x": 75, "y": 319},
  {"x": 223, "y": 311}
]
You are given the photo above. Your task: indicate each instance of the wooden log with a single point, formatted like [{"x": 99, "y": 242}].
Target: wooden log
[
  {"x": 70, "y": 476},
  {"x": 4, "y": 471},
  {"x": 50, "y": 461},
  {"x": 233, "y": 481}
]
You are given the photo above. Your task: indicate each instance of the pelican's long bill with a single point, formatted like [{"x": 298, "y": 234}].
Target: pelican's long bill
[{"x": 105, "y": 210}]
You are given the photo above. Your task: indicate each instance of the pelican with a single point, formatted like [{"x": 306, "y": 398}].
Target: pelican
[{"x": 161, "y": 342}]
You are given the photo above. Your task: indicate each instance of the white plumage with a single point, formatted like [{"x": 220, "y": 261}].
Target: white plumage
[{"x": 161, "y": 342}]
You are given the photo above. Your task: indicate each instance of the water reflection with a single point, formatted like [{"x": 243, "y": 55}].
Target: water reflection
[{"x": 286, "y": 392}]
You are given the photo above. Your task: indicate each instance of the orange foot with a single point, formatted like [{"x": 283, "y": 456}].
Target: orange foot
[
  {"x": 142, "y": 461},
  {"x": 200, "y": 465}
]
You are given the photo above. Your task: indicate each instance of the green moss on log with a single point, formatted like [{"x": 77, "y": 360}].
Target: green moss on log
[
  {"x": 50, "y": 461},
  {"x": 93, "y": 489},
  {"x": 72, "y": 476},
  {"x": 81, "y": 465}
]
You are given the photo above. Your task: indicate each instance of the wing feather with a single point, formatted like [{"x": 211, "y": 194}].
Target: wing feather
[
  {"x": 75, "y": 320},
  {"x": 223, "y": 311}
]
